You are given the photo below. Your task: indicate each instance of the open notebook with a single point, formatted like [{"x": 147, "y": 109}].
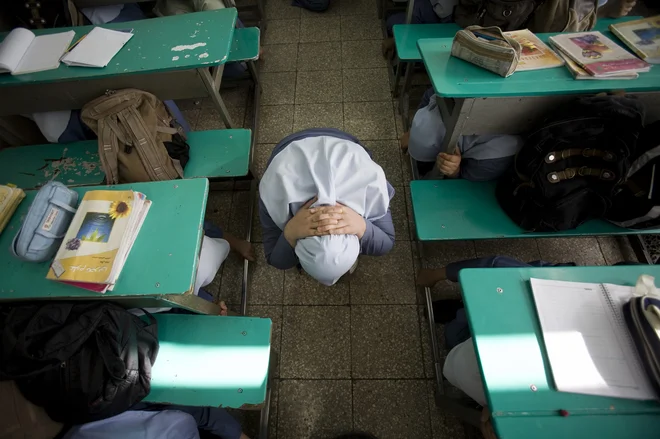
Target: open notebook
[
  {"x": 23, "y": 52},
  {"x": 588, "y": 344}
]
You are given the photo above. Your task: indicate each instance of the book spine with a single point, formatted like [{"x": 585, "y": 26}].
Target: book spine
[{"x": 627, "y": 42}]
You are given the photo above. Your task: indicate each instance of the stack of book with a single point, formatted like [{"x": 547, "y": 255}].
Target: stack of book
[
  {"x": 535, "y": 54},
  {"x": 591, "y": 55},
  {"x": 642, "y": 36},
  {"x": 99, "y": 239},
  {"x": 10, "y": 198}
]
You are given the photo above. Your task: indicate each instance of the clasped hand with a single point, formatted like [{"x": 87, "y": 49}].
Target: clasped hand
[{"x": 324, "y": 220}]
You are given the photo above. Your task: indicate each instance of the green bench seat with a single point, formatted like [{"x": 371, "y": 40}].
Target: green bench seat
[
  {"x": 212, "y": 361},
  {"x": 244, "y": 44},
  {"x": 213, "y": 153},
  {"x": 406, "y": 36},
  {"x": 447, "y": 210}
]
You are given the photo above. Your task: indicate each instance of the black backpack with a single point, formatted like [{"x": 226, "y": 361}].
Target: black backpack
[
  {"x": 81, "y": 361},
  {"x": 636, "y": 202},
  {"x": 568, "y": 169}
]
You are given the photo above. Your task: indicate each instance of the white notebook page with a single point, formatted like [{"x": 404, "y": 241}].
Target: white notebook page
[
  {"x": 97, "y": 48},
  {"x": 589, "y": 350},
  {"x": 14, "y": 47},
  {"x": 44, "y": 53}
]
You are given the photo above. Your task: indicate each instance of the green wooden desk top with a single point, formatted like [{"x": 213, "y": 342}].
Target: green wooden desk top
[
  {"x": 244, "y": 44},
  {"x": 163, "y": 259},
  {"x": 213, "y": 153},
  {"x": 461, "y": 209},
  {"x": 177, "y": 42},
  {"x": 455, "y": 78},
  {"x": 406, "y": 36},
  {"x": 212, "y": 361},
  {"x": 512, "y": 356}
]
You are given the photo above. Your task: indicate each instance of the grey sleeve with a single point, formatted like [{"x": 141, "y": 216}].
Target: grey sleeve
[
  {"x": 485, "y": 170},
  {"x": 378, "y": 239},
  {"x": 279, "y": 253}
]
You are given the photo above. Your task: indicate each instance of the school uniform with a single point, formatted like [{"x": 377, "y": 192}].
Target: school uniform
[
  {"x": 483, "y": 157},
  {"x": 425, "y": 12},
  {"x": 334, "y": 166}
]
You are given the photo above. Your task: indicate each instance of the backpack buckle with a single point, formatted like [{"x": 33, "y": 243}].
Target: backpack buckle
[{"x": 551, "y": 157}]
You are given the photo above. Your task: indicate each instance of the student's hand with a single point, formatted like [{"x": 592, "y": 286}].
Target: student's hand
[
  {"x": 449, "y": 164},
  {"x": 308, "y": 220},
  {"x": 351, "y": 223}
]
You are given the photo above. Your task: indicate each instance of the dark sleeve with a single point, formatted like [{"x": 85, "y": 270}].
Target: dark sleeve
[
  {"x": 279, "y": 253},
  {"x": 378, "y": 238},
  {"x": 485, "y": 170}
]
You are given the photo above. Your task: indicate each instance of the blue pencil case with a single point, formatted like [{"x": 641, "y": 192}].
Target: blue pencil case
[{"x": 46, "y": 223}]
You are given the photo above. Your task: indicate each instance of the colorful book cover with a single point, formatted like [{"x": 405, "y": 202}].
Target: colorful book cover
[
  {"x": 96, "y": 233},
  {"x": 642, "y": 36},
  {"x": 535, "y": 53},
  {"x": 597, "y": 54},
  {"x": 579, "y": 73}
]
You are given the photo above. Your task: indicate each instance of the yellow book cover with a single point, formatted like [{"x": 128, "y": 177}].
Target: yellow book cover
[
  {"x": 535, "y": 53},
  {"x": 95, "y": 236},
  {"x": 642, "y": 36},
  {"x": 10, "y": 198}
]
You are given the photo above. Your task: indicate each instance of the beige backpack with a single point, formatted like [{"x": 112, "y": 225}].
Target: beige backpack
[{"x": 132, "y": 126}]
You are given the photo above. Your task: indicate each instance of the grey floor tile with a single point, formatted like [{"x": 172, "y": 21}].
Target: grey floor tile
[
  {"x": 319, "y": 87},
  {"x": 360, "y": 27},
  {"x": 273, "y": 312},
  {"x": 314, "y": 409},
  {"x": 301, "y": 289},
  {"x": 582, "y": 251},
  {"x": 266, "y": 282},
  {"x": 525, "y": 250},
  {"x": 369, "y": 120},
  {"x": 319, "y": 28},
  {"x": 385, "y": 342},
  {"x": 330, "y": 115},
  {"x": 362, "y": 85},
  {"x": 392, "y": 409},
  {"x": 616, "y": 249},
  {"x": 250, "y": 419},
  {"x": 191, "y": 115},
  {"x": 319, "y": 56},
  {"x": 218, "y": 207},
  {"x": 232, "y": 96},
  {"x": 385, "y": 279},
  {"x": 278, "y": 88},
  {"x": 406, "y": 167},
  {"x": 409, "y": 209},
  {"x": 333, "y": 9},
  {"x": 438, "y": 255},
  {"x": 240, "y": 209},
  {"x": 231, "y": 281},
  {"x": 262, "y": 153},
  {"x": 362, "y": 54},
  {"x": 209, "y": 118},
  {"x": 279, "y": 58},
  {"x": 187, "y": 104},
  {"x": 427, "y": 349},
  {"x": 281, "y": 9},
  {"x": 442, "y": 426},
  {"x": 358, "y": 7},
  {"x": 386, "y": 154},
  {"x": 400, "y": 214},
  {"x": 257, "y": 235},
  {"x": 316, "y": 342},
  {"x": 275, "y": 123},
  {"x": 282, "y": 31}
]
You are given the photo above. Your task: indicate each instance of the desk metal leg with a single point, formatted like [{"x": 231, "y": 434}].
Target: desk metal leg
[
  {"x": 214, "y": 93},
  {"x": 265, "y": 415},
  {"x": 404, "y": 99},
  {"x": 639, "y": 247},
  {"x": 397, "y": 77}
]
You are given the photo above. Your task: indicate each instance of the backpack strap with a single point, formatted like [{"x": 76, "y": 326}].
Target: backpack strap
[
  {"x": 584, "y": 171},
  {"x": 108, "y": 147},
  {"x": 555, "y": 156}
]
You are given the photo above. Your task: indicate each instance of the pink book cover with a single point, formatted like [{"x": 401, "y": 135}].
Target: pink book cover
[{"x": 97, "y": 288}]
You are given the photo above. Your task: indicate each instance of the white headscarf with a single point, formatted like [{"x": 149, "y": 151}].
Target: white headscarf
[{"x": 337, "y": 171}]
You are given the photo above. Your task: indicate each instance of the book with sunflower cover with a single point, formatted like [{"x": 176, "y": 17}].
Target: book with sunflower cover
[{"x": 99, "y": 239}]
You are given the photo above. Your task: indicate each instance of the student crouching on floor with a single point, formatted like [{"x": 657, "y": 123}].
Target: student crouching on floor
[
  {"x": 475, "y": 158},
  {"x": 322, "y": 202}
]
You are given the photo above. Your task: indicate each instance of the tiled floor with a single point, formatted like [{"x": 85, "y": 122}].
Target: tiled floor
[{"x": 356, "y": 355}]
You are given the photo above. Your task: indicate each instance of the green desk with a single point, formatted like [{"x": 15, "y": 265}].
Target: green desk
[
  {"x": 473, "y": 100},
  {"x": 512, "y": 358},
  {"x": 167, "y": 56},
  {"x": 451, "y": 210},
  {"x": 160, "y": 270},
  {"x": 213, "y": 154},
  {"x": 212, "y": 361}
]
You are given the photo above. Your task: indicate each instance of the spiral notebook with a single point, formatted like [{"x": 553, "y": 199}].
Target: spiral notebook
[{"x": 589, "y": 347}]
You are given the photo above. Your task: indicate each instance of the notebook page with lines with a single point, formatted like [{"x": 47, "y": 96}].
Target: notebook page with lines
[{"x": 589, "y": 348}]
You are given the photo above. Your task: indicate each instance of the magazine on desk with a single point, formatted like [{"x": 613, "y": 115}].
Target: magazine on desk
[
  {"x": 23, "y": 52},
  {"x": 641, "y": 36},
  {"x": 99, "y": 239},
  {"x": 598, "y": 55},
  {"x": 535, "y": 54}
]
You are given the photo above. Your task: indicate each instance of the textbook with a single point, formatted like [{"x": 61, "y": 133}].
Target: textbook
[
  {"x": 97, "y": 48},
  {"x": 590, "y": 349},
  {"x": 10, "y": 198},
  {"x": 23, "y": 52},
  {"x": 579, "y": 73},
  {"x": 641, "y": 36},
  {"x": 99, "y": 239},
  {"x": 535, "y": 54},
  {"x": 597, "y": 54}
]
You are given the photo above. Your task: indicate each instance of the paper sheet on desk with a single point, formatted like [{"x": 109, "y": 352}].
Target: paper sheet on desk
[{"x": 97, "y": 48}]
